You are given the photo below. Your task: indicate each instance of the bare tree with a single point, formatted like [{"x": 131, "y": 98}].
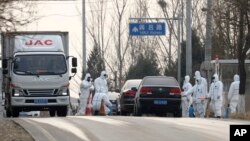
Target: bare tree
[
  {"x": 233, "y": 26},
  {"x": 15, "y": 13},
  {"x": 119, "y": 29}
]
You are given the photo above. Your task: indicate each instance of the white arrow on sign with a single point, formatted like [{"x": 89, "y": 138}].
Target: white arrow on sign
[{"x": 135, "y": 29}]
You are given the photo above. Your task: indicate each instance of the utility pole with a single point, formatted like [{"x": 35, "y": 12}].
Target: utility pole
[
  {"x": 208, "y": 41},
  {"x": 84, "y": 62},
  {"x": 179, "y": 49},
  {"x": 189, "y": 37}
]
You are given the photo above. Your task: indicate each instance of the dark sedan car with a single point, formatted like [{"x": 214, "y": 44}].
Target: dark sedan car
[
  {"x": 127, "y": 96},
  {"x": 158, "y": 95}
]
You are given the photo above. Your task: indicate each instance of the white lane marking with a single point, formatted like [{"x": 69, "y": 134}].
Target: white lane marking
[
  {"x": 47, "y": 134},
  {"x": 103, "y": 120},
  {"x": 64, "y": 125}
]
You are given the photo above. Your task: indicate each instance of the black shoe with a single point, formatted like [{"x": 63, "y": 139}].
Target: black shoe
[{"x": 218, "y": 117}]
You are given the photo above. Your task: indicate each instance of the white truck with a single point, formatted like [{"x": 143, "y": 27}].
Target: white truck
[{"x": 35, "y": 67}]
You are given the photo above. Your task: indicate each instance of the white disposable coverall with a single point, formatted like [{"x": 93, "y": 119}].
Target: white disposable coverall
[
  {"x": 204, "y": 80},
  {"x": 100, "y": 84},
  {"x": 97, "y": 102},
  {"x": 86, "y": 87},
  {"x": 199, "y": 95},
  {"x": 215, "y": 93},
  {"x": 233, "y": 94},
  {"x": 187, "y": 99}
]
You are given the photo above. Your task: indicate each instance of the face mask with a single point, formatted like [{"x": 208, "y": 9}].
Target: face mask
[{"x": 88, "y": 79}]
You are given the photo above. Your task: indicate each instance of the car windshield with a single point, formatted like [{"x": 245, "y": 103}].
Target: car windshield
[
  {"x": 160, "y": 81},
  {"x": 40, "y": 64},
  {"x": 133, "y": 83}
]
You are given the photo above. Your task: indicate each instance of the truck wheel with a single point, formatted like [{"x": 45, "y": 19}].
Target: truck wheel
[
  {"x": 15, "y": 112},
  {"x": 52, "y": 113},
  {"x": 62, "y": 111},
  {"x": 8, "y": 113}
]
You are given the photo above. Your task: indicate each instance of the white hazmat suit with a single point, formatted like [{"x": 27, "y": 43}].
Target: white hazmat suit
[
  {"x": 86, "y": 87},
  {"x": 203, "y": 80},
  {"x": 199, "y": 94},
  {"x": 187, "y": 99},
  {"x": 233, "y": 94},
  {"x": 97, "y": 102},
  {"x": 215, "y": 93},
  {"x": 100, "y": 83}
]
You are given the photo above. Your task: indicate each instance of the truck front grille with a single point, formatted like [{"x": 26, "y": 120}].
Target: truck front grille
[{"x": 37, "y": 92}]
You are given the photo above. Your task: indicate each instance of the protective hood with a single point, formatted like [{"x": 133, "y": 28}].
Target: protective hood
[
  {"x": 236, "y": 77},
  {"x": 86, "y": 76},
  {"x": 103, "y": 73},
  {"x": 216, "y": 78},
  {"x": 198, "y": 80},
  {"x": 197, "y": 74},
  {"x": 187, "y": 78}
]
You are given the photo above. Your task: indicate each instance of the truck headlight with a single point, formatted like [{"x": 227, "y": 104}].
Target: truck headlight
[
  {"x": 18, "y": 92},
  {"x": 64, "y": 92}
]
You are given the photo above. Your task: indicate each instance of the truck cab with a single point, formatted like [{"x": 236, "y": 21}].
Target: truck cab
[{"x": 36, "y": 72}]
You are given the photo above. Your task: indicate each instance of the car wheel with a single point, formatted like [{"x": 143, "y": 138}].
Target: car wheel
[
  {"x": 137, "y": 111},
  {"x": 178, "y": 113},
  {"x": 124, "y": 113}
]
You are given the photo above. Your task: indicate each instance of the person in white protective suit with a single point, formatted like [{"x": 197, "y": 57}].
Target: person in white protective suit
[
  {"x": 215, "y": 93},
  {"x": 86, "y": 88},
  {"x": 199, "y": 95},
  {"x": 187, "y": 99},
  {"x": 204, "y": 80},
  {"x": 96, "y": 103},
  {"x": 233, "y": 94},
  {"x": 100, "y": 83}
]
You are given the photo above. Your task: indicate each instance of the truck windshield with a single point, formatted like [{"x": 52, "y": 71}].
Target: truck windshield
[{"x": 40, "y": 64}]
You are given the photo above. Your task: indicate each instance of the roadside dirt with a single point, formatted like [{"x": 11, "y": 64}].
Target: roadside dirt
[{"x": 10, "y": 131}]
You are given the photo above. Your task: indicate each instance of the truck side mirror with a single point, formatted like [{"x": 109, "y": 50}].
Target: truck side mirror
[
  {"x": 74, "y": 62},
  {"x": 73, "y": 70},
  {"x": 5, "y": 71},
  {"x": 5, "y": 63}
]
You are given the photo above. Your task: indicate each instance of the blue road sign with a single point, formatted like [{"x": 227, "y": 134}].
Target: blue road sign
[{"x": 147, "y": 29}]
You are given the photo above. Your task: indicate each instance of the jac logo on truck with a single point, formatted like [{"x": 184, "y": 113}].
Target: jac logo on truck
[{"x": 38, "y": 42}]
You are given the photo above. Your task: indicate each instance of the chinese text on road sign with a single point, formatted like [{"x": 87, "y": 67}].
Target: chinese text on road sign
[{"x": 147, "y": 29}]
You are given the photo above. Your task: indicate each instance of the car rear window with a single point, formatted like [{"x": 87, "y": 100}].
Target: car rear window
[
  {"x": 133, "y": 84},
  {"x": 162, "y": 81}
]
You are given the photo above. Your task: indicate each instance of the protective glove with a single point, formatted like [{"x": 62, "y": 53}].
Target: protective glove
[
  {"x": 92, "y": 88},
  {"x": 218, "y": 97}
]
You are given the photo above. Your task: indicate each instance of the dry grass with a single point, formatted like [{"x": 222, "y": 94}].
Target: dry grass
[
  {"x": 10, "y": 131},
  {"x": 243, "y": 116}
]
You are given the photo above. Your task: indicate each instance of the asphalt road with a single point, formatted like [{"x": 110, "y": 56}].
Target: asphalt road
[{"x": 117, "y": 128}]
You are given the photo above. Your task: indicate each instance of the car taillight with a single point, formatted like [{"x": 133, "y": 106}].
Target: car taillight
[
  {"x": 145, "y": 90},
  {"x": 175, "y": 91},
  {"x": 129, "y": 93}
]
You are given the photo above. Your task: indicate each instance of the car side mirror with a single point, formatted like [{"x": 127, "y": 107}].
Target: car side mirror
[
  {"x": 74, "y": 62},
  {"x": 134, "y": 89},
  {"x": 5, "y": 63}
]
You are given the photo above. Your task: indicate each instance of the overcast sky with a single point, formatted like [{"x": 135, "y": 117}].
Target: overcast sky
[{"x": 66, "y": 16}]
